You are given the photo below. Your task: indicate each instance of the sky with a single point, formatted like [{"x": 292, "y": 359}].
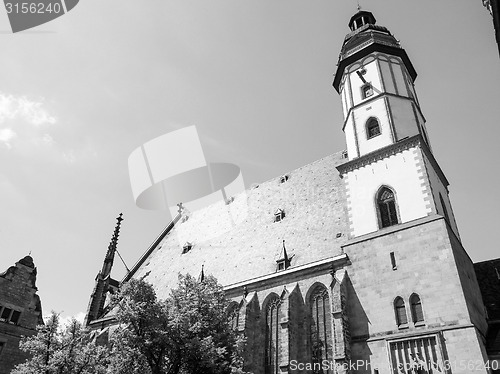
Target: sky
[{"x": 79, "y": 94}]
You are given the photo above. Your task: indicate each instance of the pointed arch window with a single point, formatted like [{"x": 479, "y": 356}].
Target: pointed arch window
[
  {"x": 417, "y": 314},
  {"x": 234, "y": 316},
  {"x": 386, "y": 204},
  {"x": 372, "y": 128},
  {"x": 272, "y": 336},
  {"x": 400, "y": 310},
  {"x": 321, "y": 328}
]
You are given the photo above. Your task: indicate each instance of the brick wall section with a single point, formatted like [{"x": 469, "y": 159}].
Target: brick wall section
[{"x": 18, "y": 292}]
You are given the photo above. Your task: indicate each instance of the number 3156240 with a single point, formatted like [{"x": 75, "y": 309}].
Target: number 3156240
[{"x": 33, "y": 8}]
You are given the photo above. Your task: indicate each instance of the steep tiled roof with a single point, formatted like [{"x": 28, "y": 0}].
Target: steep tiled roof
[{"x": 313, "y": 199}]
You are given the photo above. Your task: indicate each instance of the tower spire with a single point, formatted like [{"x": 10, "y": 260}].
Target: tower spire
[
  {"x": 103, "y": 281},
  {"x": 110, "y": 254}
]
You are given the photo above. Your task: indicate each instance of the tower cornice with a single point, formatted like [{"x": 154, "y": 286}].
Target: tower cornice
[
  {"x": 365, "y": 48},
  {"x": 374, "y": 98},
  {"x": 390, "y": 150}
]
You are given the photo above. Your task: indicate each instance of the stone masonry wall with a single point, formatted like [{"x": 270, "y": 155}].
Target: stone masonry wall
[
  {"x": 17, "y": 293},
  {"x": 426, "y": 264}
]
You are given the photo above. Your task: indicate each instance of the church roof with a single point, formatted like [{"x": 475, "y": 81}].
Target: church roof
[{"x": 241, "y": 241}]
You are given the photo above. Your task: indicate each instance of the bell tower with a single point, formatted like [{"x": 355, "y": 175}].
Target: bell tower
[{"x": 391, "y": 176}]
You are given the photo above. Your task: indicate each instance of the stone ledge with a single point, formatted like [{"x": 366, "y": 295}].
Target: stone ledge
[
  {"x": 392, "y": 229},
  {"x": 263, "y": 281},
  {"x": 407, "y": 334}
]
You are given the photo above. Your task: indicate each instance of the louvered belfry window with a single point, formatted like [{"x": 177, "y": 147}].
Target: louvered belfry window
[
  {"x": 417, "y": 355},
  {"x": 272, "y": 336},
  {"x": 321, "y": 329},
  {"x": 400, "y": 309},
  {"x": 387, "y": 208},
  {"x": 417, "y": 313}
]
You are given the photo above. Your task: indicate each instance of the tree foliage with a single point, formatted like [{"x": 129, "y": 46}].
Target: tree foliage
[
  {"x": 57, "y": 350},
  {"x": 187, "y": 333}
]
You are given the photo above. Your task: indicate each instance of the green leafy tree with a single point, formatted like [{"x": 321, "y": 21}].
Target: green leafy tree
[
  {"x": 188, "y": 333},
  {"x": 62, "y": 351}
]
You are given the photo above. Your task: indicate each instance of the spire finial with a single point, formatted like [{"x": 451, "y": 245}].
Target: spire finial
[
  {"x": 359, "y": 6},
  {"x": 201, "y": 277}
]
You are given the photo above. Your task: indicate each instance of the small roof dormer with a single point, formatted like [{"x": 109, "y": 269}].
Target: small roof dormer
[{"x": 360, "y": 19}]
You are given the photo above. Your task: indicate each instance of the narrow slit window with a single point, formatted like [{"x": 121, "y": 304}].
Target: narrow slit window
[
  {"x": 372, "y": 128},
  {"x": 393, "y": 261}
]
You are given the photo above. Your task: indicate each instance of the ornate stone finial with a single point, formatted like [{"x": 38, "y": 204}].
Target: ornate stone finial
[
  {"x": 181, "y": 208},
  {"x": 245, "y": 291}
]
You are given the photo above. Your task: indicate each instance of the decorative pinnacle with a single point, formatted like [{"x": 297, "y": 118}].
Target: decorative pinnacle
[{"x": 116, "y": 233}]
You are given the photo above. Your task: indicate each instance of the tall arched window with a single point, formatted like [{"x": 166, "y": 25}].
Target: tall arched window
[
  {"x": 321, "y": 328},
  {"x": 233, "y": 316},
  {"x": 417, "y": 314},
  {"x": 400, "y": 310},
  {"x": 372, "y": 128},
  {"x": 272, "y": 336},
  {"x": 386, "y": 204}
]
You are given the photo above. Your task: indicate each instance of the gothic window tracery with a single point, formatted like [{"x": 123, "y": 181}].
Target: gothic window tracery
[
  {"x": 272, "y": 336},
  {"x": 321, "y": 329},
  {"x": 386, "y": 204},
  {"x": 234, "y": 316}
]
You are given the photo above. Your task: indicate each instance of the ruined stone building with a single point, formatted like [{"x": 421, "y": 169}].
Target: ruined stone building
[
  {"x": 20, "y": 311},
  {"x": 355, "y": 258}
]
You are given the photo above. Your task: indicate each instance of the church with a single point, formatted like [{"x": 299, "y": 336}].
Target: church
[{"x": 351, "y": 264}]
